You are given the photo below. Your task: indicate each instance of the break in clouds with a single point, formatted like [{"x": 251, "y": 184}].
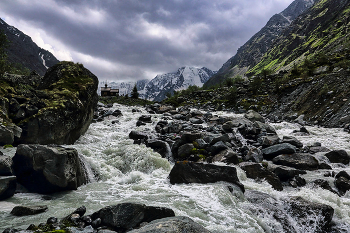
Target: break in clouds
[{"x": 138, "y": 39}]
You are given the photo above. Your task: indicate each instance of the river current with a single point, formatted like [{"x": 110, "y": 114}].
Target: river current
[{"x": 134, "y": 173}]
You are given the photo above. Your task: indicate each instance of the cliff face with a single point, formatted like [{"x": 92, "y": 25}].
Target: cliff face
[
  {"x": 254, "y": 49},
  {"x": 24, "y": 51}
]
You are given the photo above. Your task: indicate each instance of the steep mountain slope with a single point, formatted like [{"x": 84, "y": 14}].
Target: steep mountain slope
[
  {"x": 254, "y": 49},
  {"x": 157, "y": 88},
  {"x": 24, "y": 51},
  {"x": 319, "y": 36}
]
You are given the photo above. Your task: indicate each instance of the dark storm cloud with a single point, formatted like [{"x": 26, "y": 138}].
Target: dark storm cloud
[{"x": 137, "y": 39}]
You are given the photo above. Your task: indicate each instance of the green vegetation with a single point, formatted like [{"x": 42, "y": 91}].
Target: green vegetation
[{"x": 124, "y": 100}]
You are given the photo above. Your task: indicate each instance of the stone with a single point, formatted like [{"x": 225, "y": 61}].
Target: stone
[
  {"x": 269, "y": 140},
  {"x": 342, "y": 184},
  {"x": 189, "y": 172},
  {"x": 172, "y": 225},
  {"x": 6, "y": 135},
  {"x": 254, "y": 155},
  {"x": 254, "y": 116},
  {"x": 285, "y": 173},
  {"x": 303, "y": 210},
  {"x": 275, "y": 150},
  {"x": 125, "y": 216},
  {"x": 146, "y": 118},
  {"x": 136, "y": 135},
  {"x": 194, "y": 120},
  {"x": 303, "y": 161},
  {"x": 324, "y": 185},
  {"x": 217, "y": 147},
  {"x": 117, "y": 113},
  {"x": 28, "y": 210},
  {"x": 257, "y": 171},
  {"x": 5, "y": 165},
  {"x": 70, "y": 101},
  {"x": 190, "y": 137},
  {"x": 338, "y": 156},
  {"x": 48, "y": 169},
  {"x": 7, "y": 187},
  {"x": 185, "y": 150},
  {"x": 264, "y": 126},
  {"x": 160, "y": 147},
  {"x": 228, "y": 156},
  {"x": 293, "y": 141}
]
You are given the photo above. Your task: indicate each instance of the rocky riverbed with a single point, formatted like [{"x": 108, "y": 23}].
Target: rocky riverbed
[{"x": 226, "y": 172}]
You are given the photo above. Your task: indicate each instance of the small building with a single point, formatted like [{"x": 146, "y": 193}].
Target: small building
[{"x": 108, "y": 91}]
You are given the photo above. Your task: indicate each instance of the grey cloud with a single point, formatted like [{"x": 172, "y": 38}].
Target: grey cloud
[{"x": 141, "y": 37}]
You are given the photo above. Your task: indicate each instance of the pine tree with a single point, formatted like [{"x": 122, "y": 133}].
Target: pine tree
[
  {"x": 135, "y": 93},
  {"x": 3, "y": 56}
]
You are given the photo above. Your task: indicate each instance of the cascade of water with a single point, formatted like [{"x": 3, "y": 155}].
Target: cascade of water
[{"x": 89, "y": 174}]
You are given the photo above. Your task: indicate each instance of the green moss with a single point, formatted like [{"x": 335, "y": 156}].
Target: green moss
[{"x": 7, "y": 146}]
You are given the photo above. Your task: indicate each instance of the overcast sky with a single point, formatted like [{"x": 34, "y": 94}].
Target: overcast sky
[{"x": 129, "y": 40}]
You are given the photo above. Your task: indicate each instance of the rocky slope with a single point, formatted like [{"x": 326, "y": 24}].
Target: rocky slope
[
  {"x": 254, "y": 49},
  {"x": 24, "y": 51},
  {"x": 157, "y": 88},
  {"x": 55, "y": 109}
]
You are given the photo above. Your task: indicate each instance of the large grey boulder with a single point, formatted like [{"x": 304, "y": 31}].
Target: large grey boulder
[
  {"x": 172, "y": 225},
  {"x": 275, "y": 150},
  {"x": 254, "y": 116},
  {"x": 8, "y": 133},
  {"x": 303, "y": 161},
  {"x": 28, "y": 210},
  {"x": 48, "y": 169},
  {"x": 125, "y": 216},
  {"x": 7, "y": 187},
  {"x": 257, "y": 171},
  {"x": 338, "y": 156},
  {"x": 188, "y": 172}
]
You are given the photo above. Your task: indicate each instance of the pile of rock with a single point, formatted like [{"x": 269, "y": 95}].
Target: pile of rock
[{"x": 123, "y": 217}]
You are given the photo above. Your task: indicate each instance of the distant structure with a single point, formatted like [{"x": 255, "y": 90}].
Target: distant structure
[{"x": 108, "y": 91}]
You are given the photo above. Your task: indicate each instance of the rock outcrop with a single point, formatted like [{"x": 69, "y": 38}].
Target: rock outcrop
[
  {"x": 48, "y": 169},
  {"x": 56, "y": 109}
]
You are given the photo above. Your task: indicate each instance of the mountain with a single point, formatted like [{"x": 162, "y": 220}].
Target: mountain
[
  {"x": 24, "y": 51},
  {"x": 320, "y": 36},
  {"x": 157, "y": 88},
  {"x": 254, "y": 49}
]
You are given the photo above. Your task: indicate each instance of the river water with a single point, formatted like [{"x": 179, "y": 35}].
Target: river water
[{"x": 134, "y": 173}]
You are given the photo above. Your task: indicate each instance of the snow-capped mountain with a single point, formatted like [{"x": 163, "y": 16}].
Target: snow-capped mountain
[{"x": 157, "y": 88}]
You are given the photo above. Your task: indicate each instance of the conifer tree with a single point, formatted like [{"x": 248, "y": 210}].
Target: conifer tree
[{"x": 135, "y": 93}]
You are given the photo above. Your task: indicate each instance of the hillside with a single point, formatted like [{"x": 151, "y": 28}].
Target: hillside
[
  {"x": 254, "y": 49},
  {"x": 24, "y": 51}
]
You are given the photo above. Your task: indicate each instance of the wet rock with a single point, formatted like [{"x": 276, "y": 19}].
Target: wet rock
[
  {"x": 190, "y": 137},
  {"x": 48, "y": 169},
  {"x": 146, "y": 118},
  {"x": 125, "y": 216},
  {"x": 303, "y": 161},
  {"x": 257, "y": 171},
  {"x": 324, "y": 185},
  {"x": 196, "y": 120},
  {"x": 285, "y": 173},
  {"x": 254, "y": 116},
  {"x": 315, "y": 149},
  {"x": 338, "y": 156},
  {"x": 235, "y": 123},
  {"x": 265, "y": 127},
  {"x": 135, "y": 135},
  {"x": 275, "y": 150},
  {"x": 254, "y": 155},
  {"x": 293, "y": 141},
  {"x": 28, "y": 210},
  {"x": 7, "y": 187},
  {"x": 172, "y": 225},
  {"x": 160, "y": 147},
  {"x": 201, "y": 144},
  {"x": 267, "y": 141},
  {"x": 117, "y": 113},
  {"x": 227, "y": 156},
  {"x": 342, "y": 182},
  {"x": 217, "y": 147},
  {"x": 312, "y": 217},
  {"x": 188, "y": 172},
  {"x": 185, "y": 150},
  {"x": 5, "y": 165}
]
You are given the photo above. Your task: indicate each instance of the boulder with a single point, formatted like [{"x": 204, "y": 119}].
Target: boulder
[
  {"x": 7, "y": 187},
  {"x": 275, "y": 150},
  {"x": 160, "y": 147},
  {"x": 254, "y": 155},
  {"x": 189, "y": 172},
  {"x": 310, "y": 216},
  {"x": 324, "y": 185},
  {"x": 293, "y": 141},
  {"x": 338, "y": 156},
  {"x": 303, "y": 161},
  {"x": 28, "y": 210},
  {"x": 136, "y": 135},
  {"x": 285, "y": 173},
  {"x": 227, "y": 156},
  {"x": 254, "y": 116},
  {"x": 48, "y": 169},
  {"x": 5, "y": 165},
  {"x": 217, "y": 147},
  {"x": 146, "y": 118},
  {"x": 269, "y": 140},
  {"x": 342, "y": 182},
  {"x": 125, "y": 216},
  {"x": 257, "y": 171},
  {"x": 66, "y": 99},
  {"x": 185, "y": 150},
  {"x": 265, "y": 127},
  {"x": 172, "y": 225}
]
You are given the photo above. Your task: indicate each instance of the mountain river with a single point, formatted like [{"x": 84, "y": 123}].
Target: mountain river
[{"x": 134, "y": 173}]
